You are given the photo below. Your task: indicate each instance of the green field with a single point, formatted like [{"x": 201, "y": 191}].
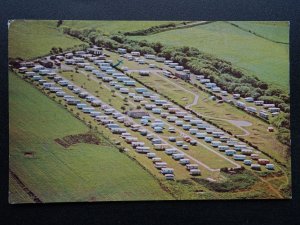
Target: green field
[
  {"x": 110, "y": 27},
  {"x": 267, "y": 60},
  {"x": 82, "y": 172},
  {"x": 274, "y": 31},
  {"x": 29, "y": 39}
]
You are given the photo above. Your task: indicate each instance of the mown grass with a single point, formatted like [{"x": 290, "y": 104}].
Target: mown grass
[
  {"x": 82, "y": 172},
  {"x": 32, "y": 38},
  {"x": 267, "y": 60}
]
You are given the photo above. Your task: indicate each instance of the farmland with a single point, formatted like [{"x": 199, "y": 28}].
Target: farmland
[
  {"x": 85, "y": 147},
  {"x": 29, "y": 39},
  {"x": 101, "y": 172},
  {"x": 265, "y": 59}
]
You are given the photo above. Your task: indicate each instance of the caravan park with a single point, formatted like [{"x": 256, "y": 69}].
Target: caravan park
[{"x": 148, "y": 110}]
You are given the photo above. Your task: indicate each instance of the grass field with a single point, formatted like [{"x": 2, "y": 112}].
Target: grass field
[
  {"x": 29, "y": 39},
  {"x": 276, "y": 31},
  {"x": 110, "y": 27},
  {"x": 267, "y": 60},
  {"x": 55, "y": 174}
]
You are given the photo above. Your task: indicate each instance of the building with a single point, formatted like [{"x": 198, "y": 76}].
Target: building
[{"x": 137, "y": 113}]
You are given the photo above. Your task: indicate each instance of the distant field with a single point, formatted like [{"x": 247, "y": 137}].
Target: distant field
[
  {"x": 29, "y": 39},
  {"x": 110, "y": 27},
  {"x": 265, "y": 59},
  {"x": 82, "y": 172},
  {"x": 275, "y": 31}
]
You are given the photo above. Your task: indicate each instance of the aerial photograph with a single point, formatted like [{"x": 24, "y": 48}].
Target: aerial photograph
[{"x": 148, "y": 110}]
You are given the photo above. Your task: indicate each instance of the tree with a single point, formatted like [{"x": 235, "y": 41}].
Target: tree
[
  {"x": 138, "y": 107},
  {"x": 59, "y": 23}
]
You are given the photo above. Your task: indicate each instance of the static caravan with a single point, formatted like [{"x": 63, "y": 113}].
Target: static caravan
[
  {"x": 88, "y": 68},
  {"x": 55, "y": 89},
  {"x": 96, "y": 103},
  {"x": 116, "y": 115},
  {"x": 124, "y": 90},
  {"x": 110, "y": 71},
  {"x": 41, "y": 82},
  {"x": 255, "y": 166},
  {"x": 201, "y": 135},
  {"x": 44, "y": 72},
  {"x": 100, "y": 118},
  {"x": 224, "y": 138},
  {"x": 204, "y": 81},
  {"x": 118, "y": 130},
  {"x": 178, "y": 156},
  {"x": 230, "y": 152},
  {"x": 180, "y": 114},
  {"x": 167, "y": 171},
  {"x": 70, "y": 86},
  {"x": 186, "y": 126},
  {"x": 129, "y": 83},
  {"x": 223, "y": 148},
  {"x": 179, "y": 143},
  {"x": 147, "y": 94},
  {"x": 135, "y": 144},
  {"x": 266, "y": 106},
  {"x": 166, "y": 105},
  {"x": 149, "y": 56},
  {"x": 160, "y": 59},
  {"x": 232, "y": 142},
  {"x": 254, "y": 156},
  {"x": 172, "y": 139},
  {"x": 23, "y": 69},
  {"x": 239, "y": 147},
  {"x": 108, "y": 111},
  {"x": 156, "y": 110},
  {"x": 167, "y": 73},
  {"x": 149, "y": 106},
  {"x": 48, "y": 85},
  {"x": 238, "y": 157},
  {"x": 29, "y": 74},
  {"x": 263, "y": 161},
  {"x": 263, "y": 114},
  {"x": 130, "y": 139},
  {"x": 160, "y": 165},
  {"x": 121, "y": 50},
  {"x": 259, "y": 103},
  {"x": 249, "y": 99},
  {"x": 156, "y": 159},
  {"x": 236, "y": 96},
  {"x": 240, "y": 104},
  {"x": 247, "y": 151},
  {"x": 95, "y": 113},
  {"x": 37, "y": 68},
  {"x": 151, "y": 155},
  {"x": 160, "y": 102},
  {"x": 191, "y": 166},
  {"x": 179, "y": 122},
  {"x": 167, "y": 62},
  {"x": 173, "y": 110},
  {"x": 273, "y": 109},
  {"x": 136, "y": 54},
  {"x": 171, "y": 151},
  {"x": 270, "y": 166},
  {"x": 184, "y": 161},
  {"x": 88, "y": 109},
  {"x": 247, "y": 162},
  {"x": 216, "y": 143},
  {"x": 158, "y": 124},
  {"x": 81, "y": 105},
  {"x": 63, "y": 83},
  {"x": 156, "y": 141},
  {"x": 138, "y": 98},
  {"x": 217, "y": 134},
  {"x": 208, "y": 139},
  {"x": 57, "y": 78},
  {"x": 172, "y": 130},
  {"x": 154, "y": 97},
  {"x": 152, "y": 66},
  {"x": 172, "y": 118},
  {"x": 144, "y": 72},
  {"x": 36, "y": 78},
  {"x": 193, "y": 131},
  {"x": 160, "y": 147},
  {"x": 83, "y": 94},
  {"x": 216, "y": 89},
  {"x": 202, "y": 126},
  {"x": 158, "y": 129},
  {"x": 164, "y": 114},
  {"x": 210, "y": 130},
  {"x": 90, "y": 98},
  {"x": 140, "y": 149},
  {"x": 199, "y": 77},
  {"x": 195, "y": 172},
  {"x": 107, "y": 79},
  {"x": 224, "y": 93},
  {"x": 70, "y": 62},
  {"x": 78, "y": 60},
  {"x": 60, "y": 94},
  {"x": 169, "y": 176},
  {"x": 73, "y": 101},
  {"x": 195, "y": 121},
  {"x": 210, "y": 85},
  {"x": 251, "y": 110},
  {"x": 172, "y": 65},
  {"x": 187, "y": 118},
  {"x": 76, "y": 90},
  {"x": 179, "y": 68}
]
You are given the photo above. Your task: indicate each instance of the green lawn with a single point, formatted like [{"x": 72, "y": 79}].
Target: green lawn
[
  {"x": 32, "y": 38},
  {"x": 110, "y": 27},
  {"x": 258, "y": 56},
  {"x": 82, "y": 172}
]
